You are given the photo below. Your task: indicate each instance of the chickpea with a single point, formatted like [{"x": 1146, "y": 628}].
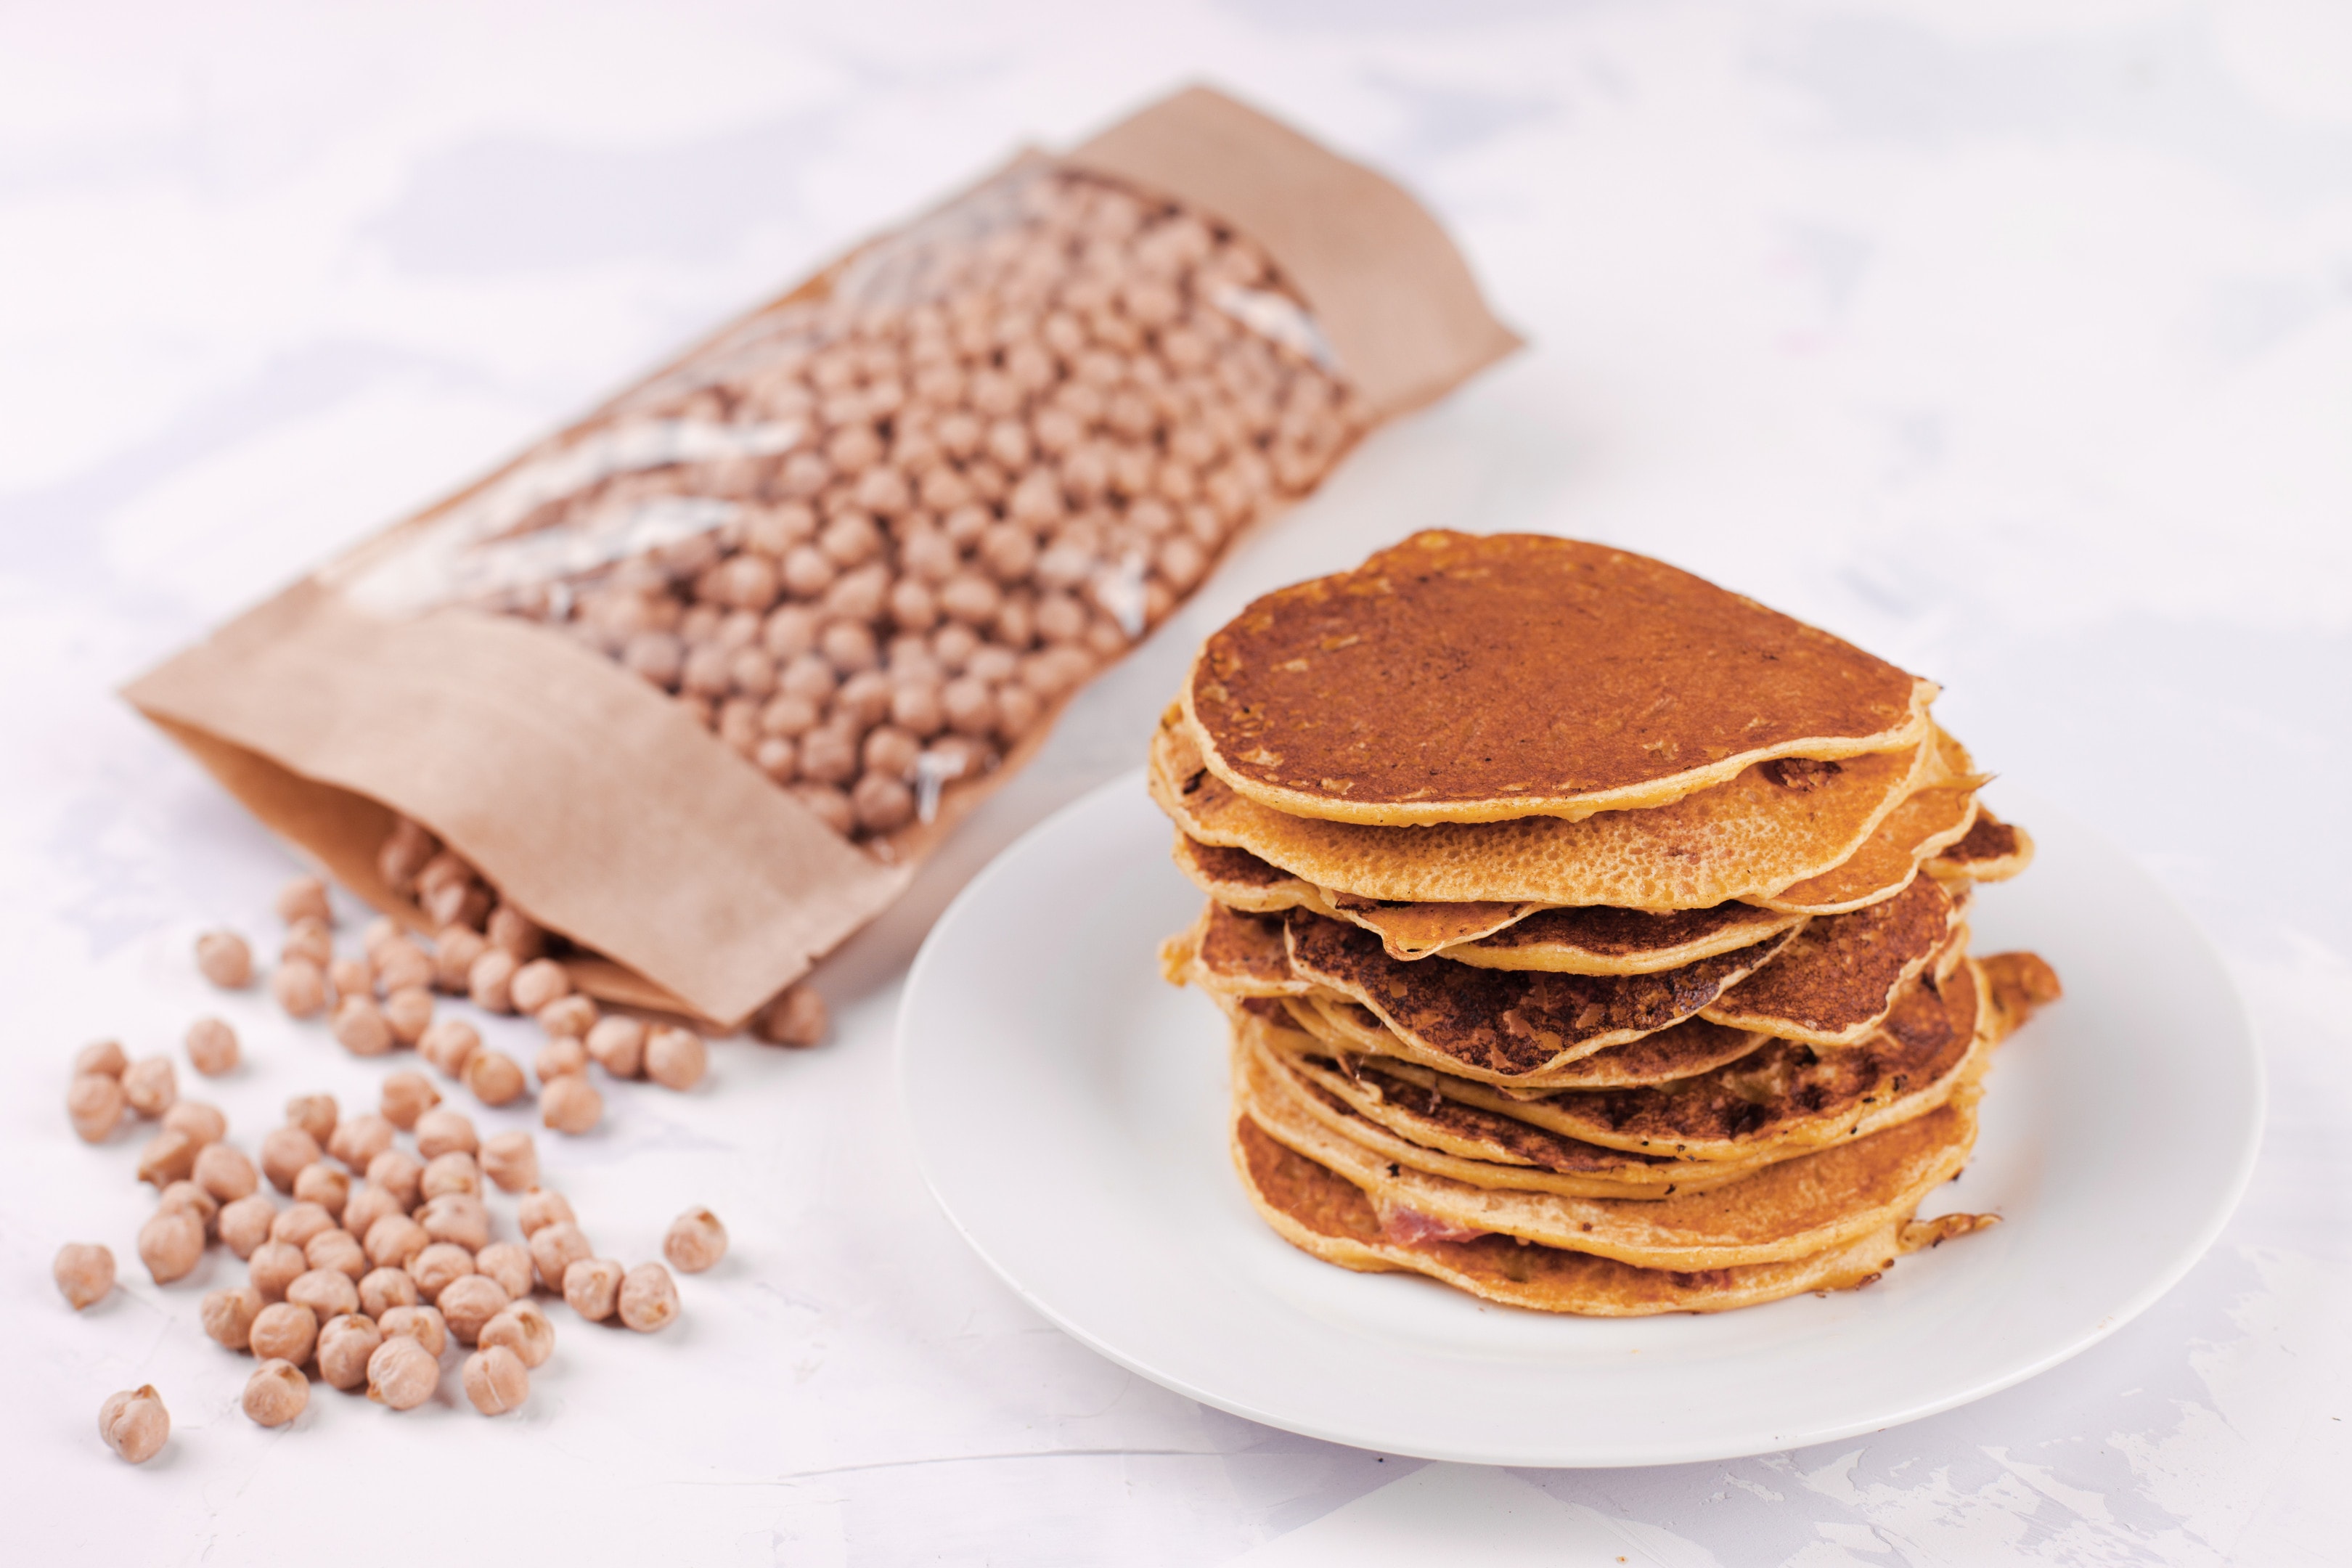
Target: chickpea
[
  {"x": 399, "y": 1172},
  {"x": 396, "y": 1241},
  {"x": 510, "y": 1160},
  {"x": 346, "y": 1345},
  {"x": 495, "y": 1380},
  {"x": 421, "y": 1324},
  {"x": 454, "y": 1171},
  {"x": 338, "y": 1250},
  {"x": 380, "y": 1290},
  {"x": 222, "y": 958},
  {"x": 300, "y": 988},
  {"x": 358, "y": 1140},
  {"x": 675, "y": 1058},
  {"x": 881, "y": 804},
  {"x": 555, "y": 1248},
  {"x": 654, "y": 657},
  {"x": 149, "y": 1086},
  {"x": 568, "y": 1017},
  {"x": 315, "y": 1115},
  {"x": 202, "y": 1124},
  {"x": 570, "y": 1104},
  {"x": 305, "y": 898},
  {"x": 695, "y": 1241},
  {"x": 494, "y": 1078},
  {"x": 848, "y": 646},
  {"x": 890, "y": 752},
  {"x": 648, "y": 1301},
  {"x": 444, "y": 1131},
  {"x": 467, "y": 1303},
  {"x": 212, "y": 1047},
  {"x": 135, "y": 1423},
  {"x": 168, "y": 1156},
  {"x": 323, "y": 1184},
  {"x": 537, "y": 984},
  {"x": 274, "y": 1266},
  {"x": 592, "y": 1288},
  {"x": 401, "y": 1373},
  {"x": 244, "y": 1222},
  {"x": 1017, "y": 711},
  {"x": 310, "y": 941},
  {"x": 788, "y": 717},
  {"x": 400, "y": 965},
  {"x": 542, "y": 1207},
  {"x": 434, "y": 1266},
  {"x": 276, "y": 1394},
  {"x": 296, "y": 1225},
  {"x": 508, "y": 1263},
  {"x": 453, "y": 952},
  {"x": 225, "y": 1173},
  {"x": 409, "y": 1012},
  {"x": 94, "y": 1103},
  {"x": 368, "y": 1203},
  {"x": 796, "y": 1018},
  {"x": 705, "y": 670},
  {"x": 227, "y": 1315},
  {"x": 84, "y": 1272},
  {"x": 827, "y": 805},
  {"x": 171, "y": 1244},
  {"x": 186, "y": 1197},
  {"x": 523, "y": 1329},
  {"x": 349, "y": 977},
  {"x": 489, "y": 983},
  {"x": 285, "y": 1331},
  {"x": 448, "y": 1044},
  {"x": 458, "y": 1217}
]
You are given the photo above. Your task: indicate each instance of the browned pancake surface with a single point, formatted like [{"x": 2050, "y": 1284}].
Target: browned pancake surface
[
  {"x": 1690, "y": 1048},
  {"x": 1990, "y": 851},
  {"x": 1460, "y": 677},
  {"x": 1837, "y": 978},
  {"x": 1621, "y": 939}
]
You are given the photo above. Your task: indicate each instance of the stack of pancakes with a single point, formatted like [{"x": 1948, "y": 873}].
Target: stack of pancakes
[{"x": 1593, "y": 939}]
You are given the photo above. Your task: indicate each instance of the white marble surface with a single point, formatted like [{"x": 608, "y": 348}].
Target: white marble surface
[{"x": 2013, "y": 340}]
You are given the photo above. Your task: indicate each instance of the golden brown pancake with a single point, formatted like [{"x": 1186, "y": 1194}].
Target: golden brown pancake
[
  {"x": 1836, "y": 979},
  {"x": 1990, "y": 851},
  {"x": 2019, "y": 985},
  {"x": 1454, "y": 678},
  {"x": 1743, "y": 839},
  {"x": 1685, "y": 1050},
  {"x": 1325, "y": 1216},
  {"x": 1936, "y": 814},
  {"x": 1602, "y": 941},
  {"x": 1230, "y": 952},
  {"x": 1784, "y": 1210},
  {"x": 1504, "y": 1025}
]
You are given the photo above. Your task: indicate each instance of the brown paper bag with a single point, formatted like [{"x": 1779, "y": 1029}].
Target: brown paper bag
[{"x": 455, "y": 671}]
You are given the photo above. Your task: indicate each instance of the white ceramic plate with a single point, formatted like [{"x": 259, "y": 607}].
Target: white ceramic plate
[{"x": 1070, "y": 1109}]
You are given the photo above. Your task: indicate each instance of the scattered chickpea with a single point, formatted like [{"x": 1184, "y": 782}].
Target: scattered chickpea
[
  {"x": 409, "y": 1012},
  {"x": 517, "y": 932},
  {"x": 454, "y": 1172},
  {"x": 400, "y": 965},
  {"x": 171, "y": 1244},
  {"x": 321, "y": 1183},
  {"x": 567, "y": 1017},
  {"x": 224, "y": 958},
  {"x": 186, "y": 1197},
  {"x": 84, "y": 1272},
  {"x": 358, "y": 1140},
  {"x": 408, "y": 1095},
  {"x": 222, "y": 1170},
  {"x": 508, "y": 1263},
  {"x": 312, "y": 942},
  {"x": 227, "y": 1315},
  {"x": 796, "y": 1018},
  {"x": 592, "y": 1288},
  {"x": 695, "y": 1241},
  {"x": 151, "y": 1086},
  {"x": 510, "y": 1159},
  {"x": 300, "y": 988},
  {"x": 286, "y": 1154},
  {"x": 563, "y": 1055},
  {"x": 570, "y": 1104},
  {"x": 369, "y": 1203},
  {"x": 95, "y": 1103},
  {"x": 399, "y": 1172},
  {"x": 495, "y": 1380},
  {"x": 537, "y": 984},
  {"x": 618, "y": 1046},
  {"x": 275, "y": 1265},
  {"x": 458, "y": 1217},
  {"x": 494, "y": 1078},
  {"x": 284, "y": 1331},
  {"x": 648, "y": 1298},
  {"x": 103, "y": 1058},
  {"x": 135, "y": 1423},
  {"x": 675, "y": 1058},
  {"x": 491, "y": 980},
  {"x": 437, "y": 1266},
  {"x": 395, "y": 1241},
  {"x": 454, "y": 952},
  {"x": 350, "y": 977},
  {"x": 361, "y": 1027},
  {"x": 314, "y": 1114},
  {"x": 380, "y": 1290},
  {"x": 523, "y": 1329},
  {"x": 203, "y": 1123},
  {"x": 448, "y": 1044},
  {"x": 440, "y": 1131},
  {"x": 401, "y": 1373},
  {"x": 555, "y": 1248},
  {"x": 421, "y": 1324},
  {"x": 305, "y": 898},
  {"x": 212, "y": 1047},
  {"x": 296, "y": 1225},
  {"x": 540, "y": 1206},
  {"x": 275, "y": 1393},
  {"x": 346, "y": 1345},
  {"x": 244, "y": 1222},
  {"x": 327, "y": 1292},
  {"x": 339, "y": 1250},
  {"x": 467, "y": 1303},
  {"x": 168, "y": 1157}
]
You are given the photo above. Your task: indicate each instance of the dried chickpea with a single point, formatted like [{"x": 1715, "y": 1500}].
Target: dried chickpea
[
  {"x": 453, "y": 952},
  {"x": 314, "y": 1114},
  {"x": 349, "y": 977},
  {"x": 510, "y": 1160},
  {"x": 222, "y": 958},
  {"x": 495, "y": 1078},
  {"x": 567, "y": 1018},
  {"x": 227, "y": 1315},
  {"x": 286, "y": 1153},
  {"x": 467, "y": 1303},
  {"x": 149, "y": 1085},
  {"x": 796, "y": 1018},
  {"x": 361, "y": 1027},
  {"x": 881, "y": 804},
  {"x": 458, "y": 1217},
  {"x": 311, "y": 942},
  {"x": 186, "y": 1197},
  {"x": 244, "y": 1222},
  {"x": 285, "y": 1331},
  {"x": 592, "y": 1288},
  {"x": 135, "y": 1423},
  {"x": 508, "y": 1263},
  {"x": 542, "y": 1207},
  {"x": 523, "y": 1329},
  {"x": 490, "y": 981},
  {"x": 409, "y": 1012},
  {"x": 168, "y": 1157},
  {"x": 274, "y": 1266},
  {"x": 345, "y": 1343},
  {"x": 380, "y": 1290},
  {"x": 358, "y": 1140},
  {"x": 171, "y": 1244},
  {"x": 537, "y": 984},
  {"x": 443, "y": 1131},
  {"x": 401, "y": 1373},
  {"x": 454, "y": 1172},
  {"x": 421, "y": 1324},
  {"x": 84, "y": 1272},
  {"x": 324, "y": 1185},
  {"x": 675, "y": 1058},
  {"x": 305, "y": 898},
  {"x": 448, "y": 1044},
  {"x": 275, "y": 1393},
  {"x": 296, "y": 1225},
  {"x": 203, "y": 1123},
  {"x": 618, "y": 1046},
  {"x": 495, "y": 1380},
  {"x": 555, "y": 1248},
  {"x": 399, "y": 1172},
  {"x": 300, "y": 988},
  {"x": 223, "y": 1170},
  {"x": 407, "y": 1095},
  {"x": 570, "y": 1104},
  {"x": 648, "y": 1301},
  {"x": 560, "y": 1056},
  {"x": 400, "y": 965},
  {"x": 435, "y": 1266},
  {"x": 337, "y": 1249},
  {"x": 695, "y": 1241},
  {"x": 368, "y": 1203},
  {"x": 396, "y": 1241},
  {"x": 212, "y": 1047},
  {"x": 95, "y": 1103}
]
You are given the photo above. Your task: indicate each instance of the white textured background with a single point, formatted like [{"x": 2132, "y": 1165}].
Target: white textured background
[{"x": 2013, "y": 339}]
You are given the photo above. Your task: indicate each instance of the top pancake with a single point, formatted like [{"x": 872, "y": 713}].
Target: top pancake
[{"x": 1455, "y": 677}]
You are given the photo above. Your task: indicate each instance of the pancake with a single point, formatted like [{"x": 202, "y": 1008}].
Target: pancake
[
  {"x": 1990, "y": 851},
  {"x": 1602, "y": 941},
  {"x": 1684, "y": 1051},
  {"x": 1787, "y": 1094},
  {"x": 1936, "y": 814},
  {"x": 1786, "y": 1210},
  {"x": 1324, "y": 1215},
  {"x": 1769, "y": 826},
  {"x": 1231, "y": 953},
  {"x": 1836, "y": 979},
  {"x": 2019, "y": 985},
  {"x": 1504, "y": 1025},
  {"x": 1460, "y": 678}
]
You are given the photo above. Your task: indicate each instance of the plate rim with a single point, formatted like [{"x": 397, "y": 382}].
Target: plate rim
[{"x": 2158, "y": 1285}]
